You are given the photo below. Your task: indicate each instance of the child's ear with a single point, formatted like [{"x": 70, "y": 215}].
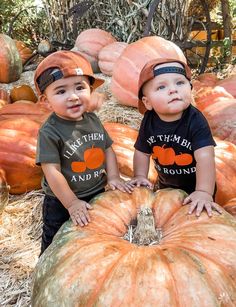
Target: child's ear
[
  {"x": 146, "y": 102},
  {"x": 44, "y": 101}
]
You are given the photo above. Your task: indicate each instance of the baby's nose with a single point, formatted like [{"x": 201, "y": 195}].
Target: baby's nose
[
  {"x": 73, "y": 96},
  {"x": 172, "y": 90}
]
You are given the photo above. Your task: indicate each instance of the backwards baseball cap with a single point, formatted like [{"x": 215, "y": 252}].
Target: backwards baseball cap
[
  {"x": 151, "y": 70},
  {"x": 62, "y": 64}
]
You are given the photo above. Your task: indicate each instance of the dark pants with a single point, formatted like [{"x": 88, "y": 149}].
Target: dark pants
[{"x": 54, "y": 215}]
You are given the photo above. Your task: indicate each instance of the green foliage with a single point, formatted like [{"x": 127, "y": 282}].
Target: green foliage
[
  {"x": 233, "y": 10},
  {"x": 219, "y": 54},
  {"x": 233, "y": 7},
  {"x": 22, "y": 20}
]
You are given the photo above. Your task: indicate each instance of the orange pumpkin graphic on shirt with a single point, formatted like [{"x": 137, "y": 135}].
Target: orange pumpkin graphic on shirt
[
  {"x": 167, "y": 156},
  {"x": 183, "y": 159},
  {"x": 78, "y": 166},
  {"x": 156, "y": 150},
  {"x": 93, "y": 158}
]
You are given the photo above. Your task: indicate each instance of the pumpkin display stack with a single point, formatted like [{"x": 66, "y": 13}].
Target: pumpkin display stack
[
  {"x": 108, "y": 56},
  {"x": 90, "y": 42},
  {"x": 180, "y": 260}
]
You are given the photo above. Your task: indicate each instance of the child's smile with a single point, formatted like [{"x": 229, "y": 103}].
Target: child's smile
[{"x": 69, "y": 97}]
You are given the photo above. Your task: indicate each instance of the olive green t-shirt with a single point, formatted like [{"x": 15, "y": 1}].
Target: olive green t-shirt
[{"x": 79, "y": 147}]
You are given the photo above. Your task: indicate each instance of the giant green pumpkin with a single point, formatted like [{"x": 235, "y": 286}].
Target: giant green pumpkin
[
  {"x": 10, "y": 61},
  {"x": 191, "y": 263}
]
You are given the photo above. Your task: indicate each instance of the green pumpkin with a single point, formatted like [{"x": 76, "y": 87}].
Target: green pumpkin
[{"x": 11, "y": 63}]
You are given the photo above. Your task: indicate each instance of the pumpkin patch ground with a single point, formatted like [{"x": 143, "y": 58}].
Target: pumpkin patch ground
[{"x": 20, "y": 222}]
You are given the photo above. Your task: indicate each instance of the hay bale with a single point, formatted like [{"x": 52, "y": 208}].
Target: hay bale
[{"x": 20, "y": 233}]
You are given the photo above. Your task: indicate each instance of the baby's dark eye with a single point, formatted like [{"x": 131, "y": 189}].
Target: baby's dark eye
[
  {"x": 161, "y": 87},
  {"x": 180, "y": 82},
  {"x": 60, "y": 92},
  {"x": 79, "y": 87}
]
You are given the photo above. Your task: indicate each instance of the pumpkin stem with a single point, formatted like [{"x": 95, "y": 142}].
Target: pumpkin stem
[{"x": 145, "y": 233}]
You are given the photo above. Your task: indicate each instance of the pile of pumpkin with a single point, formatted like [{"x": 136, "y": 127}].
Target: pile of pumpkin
[
  {"x": 104, "y": 269},
  {"x": 117, "y": 59}
]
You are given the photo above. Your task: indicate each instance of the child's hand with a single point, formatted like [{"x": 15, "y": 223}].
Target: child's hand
[
  {"x": 141, "y": 181},
  {"x": 78, "y": 211},
  {"x": 199, "y": 200},
  {"x": 118, "y": 183}
]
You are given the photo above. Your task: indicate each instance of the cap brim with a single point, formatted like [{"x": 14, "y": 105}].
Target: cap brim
[
  {"x": 97, "y": 82},
  {"x": 141, "y": 107}
]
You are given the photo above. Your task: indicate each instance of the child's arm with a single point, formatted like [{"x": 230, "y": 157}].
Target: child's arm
[
  {"x": 58, "y": 184},
  {"x": 141, "y": 163},
  {"x": 205, "y": 183},
  {"x": 113, "y": 175}
]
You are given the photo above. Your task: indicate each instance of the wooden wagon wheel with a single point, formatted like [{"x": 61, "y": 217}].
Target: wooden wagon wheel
[{"x": 178, "y": 24}]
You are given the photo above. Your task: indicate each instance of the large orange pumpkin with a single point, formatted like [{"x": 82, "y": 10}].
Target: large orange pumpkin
[
  {"x": 2, "y": 103},
  {"x": 124, "y": 138},
  {"x": 108, "y": 56},
  {"x": 18, "y": 138},
  {"x": 229, "y": 84},
  {"x": 124, "y": 84},
  {"x": 207, "y": 79},
  {"x": 221, "y": 117},
  {"x": 24, "y": 51},
  {"x": 191, "y": 263},
  {"x": 230, "y": 206},
  {"x": 90, "y": 42},
  {"x": 10, "y": 61},
  {"x": 206, "y": 96},
  {"x": 225, "y": 160},
  {"x": 25, "y": 109},
  {"x": 23, "y": 92}
]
